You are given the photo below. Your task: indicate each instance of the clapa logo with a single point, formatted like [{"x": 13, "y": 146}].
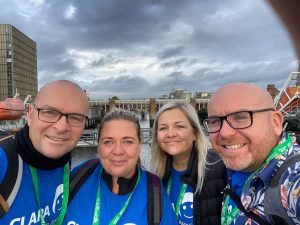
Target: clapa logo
[
  {"x": 57, "y": 203},
  {"x": 186, "y": 207}
]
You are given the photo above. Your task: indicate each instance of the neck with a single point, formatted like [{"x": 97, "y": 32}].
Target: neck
[
  {"x": 180, "y": 161},
  {"x": 115, "y": 185},
  {"x": 116, "y": 181}
]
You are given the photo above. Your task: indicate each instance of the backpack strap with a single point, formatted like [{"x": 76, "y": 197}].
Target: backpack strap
[
  {"x": 273, "y": 205},
  {"x": 81, "y": 175},
  {"x": 11, "y": 183},
  {"x": 153, "y": 186},
  {"x": 154, "y": 199}
]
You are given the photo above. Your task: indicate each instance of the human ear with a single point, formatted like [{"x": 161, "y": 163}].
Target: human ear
[
  {"x": 277, "y": 122},
  {"x": 30, "y": 115}
]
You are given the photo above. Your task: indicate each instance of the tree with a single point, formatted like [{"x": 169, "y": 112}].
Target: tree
[{"x": 114, "y": 98}]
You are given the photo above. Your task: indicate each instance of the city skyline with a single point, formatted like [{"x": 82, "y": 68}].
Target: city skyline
[{"x": 149, "y": 48}]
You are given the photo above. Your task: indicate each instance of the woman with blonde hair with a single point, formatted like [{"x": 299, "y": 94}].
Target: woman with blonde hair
[{"x": 180, "y": 156}]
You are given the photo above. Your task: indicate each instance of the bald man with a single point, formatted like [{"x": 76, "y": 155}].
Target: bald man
[
  {"x": 56, "y": 120},
  {"x": 246, "y": 131}
]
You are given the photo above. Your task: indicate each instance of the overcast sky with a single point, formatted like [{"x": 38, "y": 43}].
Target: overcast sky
[{"x": 146, "y": 48}]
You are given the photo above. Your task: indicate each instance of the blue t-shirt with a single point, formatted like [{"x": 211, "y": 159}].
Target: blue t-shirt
[
  {"x": 81, "y": 208},
  {"x": 185, "y": 215},
  {"x": 3, "y": 164},
  {"x": 25, "y": 210},
  {"x": 238, "y": 180}
]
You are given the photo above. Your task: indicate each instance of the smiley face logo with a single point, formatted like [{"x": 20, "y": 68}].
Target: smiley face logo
[
  {"x": 57, "y": 203},
  {"x": 186, "y": 208}
]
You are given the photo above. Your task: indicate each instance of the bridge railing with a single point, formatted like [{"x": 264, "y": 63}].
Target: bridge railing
[
  {"x": 88, "y": 138},
  {"x": 146, "y": 135}
]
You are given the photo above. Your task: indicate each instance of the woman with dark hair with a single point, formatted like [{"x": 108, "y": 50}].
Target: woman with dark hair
[{"x": 116, "y": 192}]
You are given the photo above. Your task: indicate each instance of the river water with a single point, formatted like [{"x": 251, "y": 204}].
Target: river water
[{"x": 82, "y": 154}]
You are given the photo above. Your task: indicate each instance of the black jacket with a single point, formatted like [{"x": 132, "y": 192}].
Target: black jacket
[{"x": 207, "y": 204}]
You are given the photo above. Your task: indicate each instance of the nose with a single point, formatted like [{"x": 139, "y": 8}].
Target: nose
[
  {"x": 227, "y": 130},
  {"x": 62, "y": 124},
  {"x": 117, "y": 149},
  {"x": 171, "y": 132}
]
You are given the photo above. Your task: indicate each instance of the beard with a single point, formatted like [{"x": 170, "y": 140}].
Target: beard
[{"x": 256, "y": 154}]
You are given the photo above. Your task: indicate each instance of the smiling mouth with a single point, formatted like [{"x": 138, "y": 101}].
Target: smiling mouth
[
  {"x": 57, "y": 139},
  {"x": 117, "y": 162},
  {"x": 171, "y": 142},
  {"x": 233, "y": 147}
]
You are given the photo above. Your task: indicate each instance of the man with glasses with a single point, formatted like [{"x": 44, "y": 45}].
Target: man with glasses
[
  {"x": 56, "y": 121},
  {"x": 246, "y": 131}
]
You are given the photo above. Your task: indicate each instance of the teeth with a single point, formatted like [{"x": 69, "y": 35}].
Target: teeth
[
  {"x": 236, "y": 146},
  {"x": 56, "y": 139}
]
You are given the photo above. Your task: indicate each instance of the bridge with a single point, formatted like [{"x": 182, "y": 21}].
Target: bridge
[
  {"x": 90, "y": 137},
  {"x": 144, "y": 104},
  {"x": 98, "y": 108}
]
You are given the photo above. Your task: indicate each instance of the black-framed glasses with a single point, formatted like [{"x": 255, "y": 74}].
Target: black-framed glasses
[
  {"x": 52, "y": 116},
  {"x": 237, "y": 120}
]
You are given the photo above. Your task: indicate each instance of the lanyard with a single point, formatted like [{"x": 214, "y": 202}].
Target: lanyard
[
  {"x": 181, "y": 194},
  {"x": 228, "y": 217},
  {"x": 96, "y": 217},
  {"x": 65, "y": 193}
]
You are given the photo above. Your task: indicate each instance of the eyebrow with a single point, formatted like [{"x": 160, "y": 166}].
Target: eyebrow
[
  {"x": 112, "y": 138},
  {"x": 52, "y": 108}
]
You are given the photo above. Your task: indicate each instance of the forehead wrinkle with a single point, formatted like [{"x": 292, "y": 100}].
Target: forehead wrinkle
[{"x": 175, "y": 122}]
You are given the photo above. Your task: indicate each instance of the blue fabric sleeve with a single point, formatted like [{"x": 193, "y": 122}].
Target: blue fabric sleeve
[{"x": 3, "y": 165}]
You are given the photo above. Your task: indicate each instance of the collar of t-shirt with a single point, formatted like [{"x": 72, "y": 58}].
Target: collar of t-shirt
[
  {"x": 238, "y": 180},
  {"x": 125, "y": 185}
]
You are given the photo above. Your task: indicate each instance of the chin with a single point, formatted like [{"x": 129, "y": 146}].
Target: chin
[
  {"x": 233, "y": 164},
  {"x": 238, "y": 166},
  {"x": 54, "y": 153}
]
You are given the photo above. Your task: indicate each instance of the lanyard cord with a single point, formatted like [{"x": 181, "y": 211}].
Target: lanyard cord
[
  {"x": 181, "y": 194},
  {"x": 65, "y": 193},
  {"x": 228, "y": 217},
  {"x": 117, "y": 217}
]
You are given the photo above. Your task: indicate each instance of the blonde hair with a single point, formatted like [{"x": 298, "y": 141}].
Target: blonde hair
[{"x": 159, "y": 157}]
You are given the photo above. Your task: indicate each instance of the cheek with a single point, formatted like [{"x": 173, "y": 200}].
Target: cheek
[
  {"x": 159, "y": 137},
  {"x": 103, "y": 152},
  {"x": 133, "y": 152},
  {"x": 38, "y": 129},
  {"x": 190, "y": 137},
  {"x": 213, "y": 139},
  {"x": 77, "y": 133}
]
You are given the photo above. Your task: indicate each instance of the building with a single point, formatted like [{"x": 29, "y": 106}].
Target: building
[
  {"x": 18, "y": 64},
  {"x": 181, "y": 94},
  {"x": 202, "y": 95},
  {"x": 272, "y": 90}
]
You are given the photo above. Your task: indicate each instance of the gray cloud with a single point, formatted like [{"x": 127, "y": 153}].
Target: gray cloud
[
  {"x": 167, "y": 53},
  {"x": 136, "y": 49}
]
